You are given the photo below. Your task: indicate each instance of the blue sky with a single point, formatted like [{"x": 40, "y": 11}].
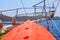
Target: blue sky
[{"x": 11, "y": 4}]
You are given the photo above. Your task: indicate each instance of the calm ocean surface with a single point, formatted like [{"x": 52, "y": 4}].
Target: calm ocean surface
[{"x": 52, "y": 27}]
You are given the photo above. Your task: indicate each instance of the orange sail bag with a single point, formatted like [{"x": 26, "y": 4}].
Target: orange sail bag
[{"x": 29, "y": 31}]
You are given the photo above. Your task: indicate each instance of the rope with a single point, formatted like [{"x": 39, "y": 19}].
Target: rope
[
  {"x": 52, "y": 19},
  {"x": 23, "y": 7},
  {"x": 54, "y": 34},
  {"x": 55, "y": 24},
  {"x": 56, "y": 7}
]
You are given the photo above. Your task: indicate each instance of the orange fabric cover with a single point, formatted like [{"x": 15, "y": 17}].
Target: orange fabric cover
[{"x": 28, "y": 31}]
